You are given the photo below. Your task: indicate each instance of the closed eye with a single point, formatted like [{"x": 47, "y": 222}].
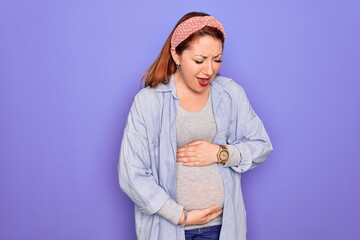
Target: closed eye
[{"x": 200, "y": 62}]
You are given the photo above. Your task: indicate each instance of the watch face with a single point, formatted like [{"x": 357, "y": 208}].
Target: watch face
[{"x": 224, "y": 155}]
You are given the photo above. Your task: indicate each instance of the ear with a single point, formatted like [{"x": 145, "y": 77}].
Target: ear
[{"x": 175, "y": 56}]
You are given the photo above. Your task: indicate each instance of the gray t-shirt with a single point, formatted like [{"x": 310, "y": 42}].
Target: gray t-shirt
[{"x": 198, "y": 187}]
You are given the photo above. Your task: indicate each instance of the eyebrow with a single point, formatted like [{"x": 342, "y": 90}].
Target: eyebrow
[{"x": 207, "y": 57}]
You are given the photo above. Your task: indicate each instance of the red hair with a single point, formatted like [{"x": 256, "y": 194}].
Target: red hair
[{"x": 164, "y": 65}]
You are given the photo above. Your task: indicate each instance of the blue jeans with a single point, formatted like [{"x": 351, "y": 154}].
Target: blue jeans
[{"x": 208, "y": 233}]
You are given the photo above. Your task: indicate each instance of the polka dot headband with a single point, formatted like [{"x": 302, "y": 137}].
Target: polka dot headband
[{"x": 188, "y": 27}]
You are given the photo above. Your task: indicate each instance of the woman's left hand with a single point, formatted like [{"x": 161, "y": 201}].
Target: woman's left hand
[{"x": 198, "y": 153}]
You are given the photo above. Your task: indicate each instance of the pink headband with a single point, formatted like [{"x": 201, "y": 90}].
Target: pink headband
[{"x": 188, "y": 27}]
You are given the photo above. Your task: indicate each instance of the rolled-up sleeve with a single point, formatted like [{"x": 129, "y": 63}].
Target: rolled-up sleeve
[
  {"x": 248, "y": 134},
  {"x": 134, "y": 168}
]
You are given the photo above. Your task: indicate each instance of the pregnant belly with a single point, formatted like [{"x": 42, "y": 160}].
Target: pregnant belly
[{"x": 199, "y": 187}]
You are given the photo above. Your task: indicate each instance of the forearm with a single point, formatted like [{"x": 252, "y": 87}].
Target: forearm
[
  {"x": 253, "y": 153},
  {"x": 172, "y": 211}
]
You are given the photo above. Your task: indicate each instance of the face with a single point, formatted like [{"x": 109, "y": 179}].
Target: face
[{"x": 199, "y": 64}]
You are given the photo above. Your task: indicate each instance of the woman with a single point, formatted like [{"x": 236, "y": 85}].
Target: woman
[{"x": 190, "y": 134}]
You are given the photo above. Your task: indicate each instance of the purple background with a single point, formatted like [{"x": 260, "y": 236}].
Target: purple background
[{"x": 70, "y": 69}]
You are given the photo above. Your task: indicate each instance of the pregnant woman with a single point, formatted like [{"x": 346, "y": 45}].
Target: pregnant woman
[{"x": 190, "y": 134}]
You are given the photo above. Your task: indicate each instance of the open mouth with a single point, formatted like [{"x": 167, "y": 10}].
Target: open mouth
[{"x": 203, "y": 81}]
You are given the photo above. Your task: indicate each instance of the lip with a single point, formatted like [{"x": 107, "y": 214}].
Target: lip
[{"x": 203, "y": 81}]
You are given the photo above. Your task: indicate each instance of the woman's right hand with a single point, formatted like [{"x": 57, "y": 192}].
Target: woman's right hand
[{"x": 201, "y": 216}]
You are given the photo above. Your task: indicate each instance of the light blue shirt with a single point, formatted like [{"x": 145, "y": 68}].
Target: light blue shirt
[{"x": 147, "y": 165}]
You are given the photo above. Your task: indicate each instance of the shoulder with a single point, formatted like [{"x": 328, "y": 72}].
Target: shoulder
[
  {"x": 146, "y": 92},
  {"x": 146, "y": 96},
  {"x": 148, "y": 102},
  {"x": 228, "y": 86}
]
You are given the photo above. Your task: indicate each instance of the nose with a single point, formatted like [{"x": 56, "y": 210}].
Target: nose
[{"x": 208, "y": 69}]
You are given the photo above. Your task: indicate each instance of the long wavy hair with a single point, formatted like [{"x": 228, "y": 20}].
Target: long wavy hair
[{"x": 164, "y": 66}]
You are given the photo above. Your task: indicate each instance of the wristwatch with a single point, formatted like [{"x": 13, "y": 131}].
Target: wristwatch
[{"x": 223, "y": 154}]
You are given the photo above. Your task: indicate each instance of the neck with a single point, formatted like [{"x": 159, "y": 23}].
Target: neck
[{"x": 190, "y": 100}]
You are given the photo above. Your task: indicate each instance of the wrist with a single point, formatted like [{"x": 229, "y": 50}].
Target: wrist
[
  {"x": 215, "y": 153},
  {"x": 222, "y": 154},
  {"x": 182, "y": 218}
]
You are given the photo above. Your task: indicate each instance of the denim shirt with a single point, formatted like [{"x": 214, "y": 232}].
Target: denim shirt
[{"x": 147, "y": 164}]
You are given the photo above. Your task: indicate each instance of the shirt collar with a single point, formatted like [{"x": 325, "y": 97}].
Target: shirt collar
[{"x": 170, "y": 87}]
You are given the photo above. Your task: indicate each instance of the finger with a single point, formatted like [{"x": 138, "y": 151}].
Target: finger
[
  {"x": 185, "y": 154},
  {"x": 181, "y": 159},
  {"x": 195, "y": 143},
  {"x": 191, "y": 164},
  {"x": 181, "y": 149},
  {"x": 211, "y": 209},
  {"x": 186, "y": 160},
  {"x": 185, "y": 149},
  {"x": 215, "y": 214},
  {"x": 181, "y": 152}
]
